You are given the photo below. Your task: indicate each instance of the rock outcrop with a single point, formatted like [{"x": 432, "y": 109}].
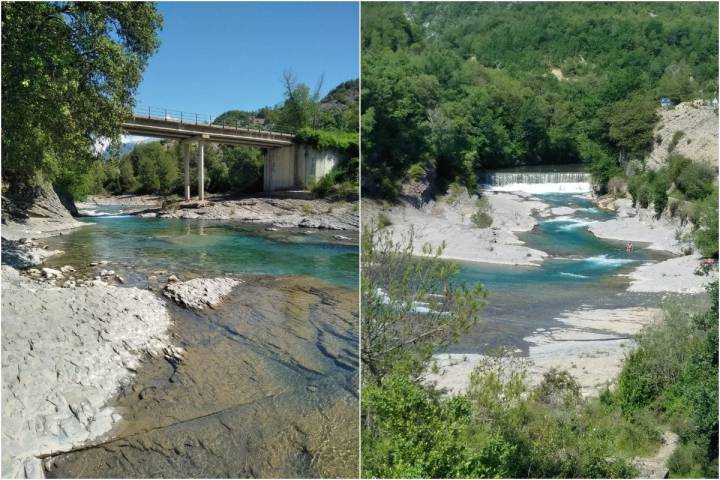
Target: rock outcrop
[
  {"x": 34, "y": 213},
  {"x": 24, "y": 253},
  {"x": 65, "y": 352},
  {"x": 689, "y": 130},
  {"x": 199, "y": 293},
  {"x": 419, "y": 192}
]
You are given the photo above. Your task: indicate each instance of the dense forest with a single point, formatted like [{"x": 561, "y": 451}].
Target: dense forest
[
  {"x": 467, "y": 86},
  {"x": 157, "y": 167}
]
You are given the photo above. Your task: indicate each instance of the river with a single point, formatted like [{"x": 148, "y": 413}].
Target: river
[
  {"x": 581, "y": 271},
  {"x": 267, "y": 385}
]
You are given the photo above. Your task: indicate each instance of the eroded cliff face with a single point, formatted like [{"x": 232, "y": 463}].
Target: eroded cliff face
[
  {"x": 690, "y": 130},
  {"x": 35, "y": 212},
  {"x": 37, "y": 202}
]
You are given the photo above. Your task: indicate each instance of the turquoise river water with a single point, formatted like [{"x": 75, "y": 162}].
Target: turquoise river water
[
  {"x": 209, "y": 247},
  {"x": 581, "y": 271}
]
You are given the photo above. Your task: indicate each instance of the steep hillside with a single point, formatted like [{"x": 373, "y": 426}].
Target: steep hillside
[{"x": 689, "y": 130}]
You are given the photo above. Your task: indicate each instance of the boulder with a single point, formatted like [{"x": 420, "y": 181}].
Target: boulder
[
  {"x": 200, "y": 292},
  {"x": 51, "y": 273}
]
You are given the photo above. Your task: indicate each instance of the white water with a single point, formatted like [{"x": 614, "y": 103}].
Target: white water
[
  {"x": 538, "y": 182},
  {"x": 602, "y": 260},
  {"x": 575, "y": 187}
]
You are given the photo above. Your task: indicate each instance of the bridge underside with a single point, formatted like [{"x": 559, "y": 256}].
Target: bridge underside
[{"x": 175, "y": 129}]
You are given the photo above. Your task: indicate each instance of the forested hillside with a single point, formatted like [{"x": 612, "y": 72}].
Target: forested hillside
[{"x": 467, "y": 86}]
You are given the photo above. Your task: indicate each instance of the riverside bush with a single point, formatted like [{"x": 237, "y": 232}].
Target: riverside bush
[
  {"x": 674, "y": 372},
  {"x": 498, "y": 429},
  {"x": 706, "y": 234},
  {"x": 482, "y": 218}
]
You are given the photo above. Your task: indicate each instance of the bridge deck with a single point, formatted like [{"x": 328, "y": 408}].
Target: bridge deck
[{"x": 163, "y": 127}]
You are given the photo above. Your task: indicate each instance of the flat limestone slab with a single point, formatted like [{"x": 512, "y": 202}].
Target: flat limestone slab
[
  {"x": 673, "y": 275},
  {"x": 65, "y": 352}
]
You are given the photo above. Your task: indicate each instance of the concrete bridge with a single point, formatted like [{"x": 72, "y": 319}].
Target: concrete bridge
[{"x": 288, "y": 163}]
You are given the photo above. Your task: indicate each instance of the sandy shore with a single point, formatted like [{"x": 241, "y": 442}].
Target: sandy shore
[
  {"x": 440, "y": 221},
  {"x": 591, "y": 345},
  {"x": 65, "y": 353}
]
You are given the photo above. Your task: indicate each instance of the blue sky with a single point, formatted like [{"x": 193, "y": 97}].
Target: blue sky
[{"x": 217, "y": 56}]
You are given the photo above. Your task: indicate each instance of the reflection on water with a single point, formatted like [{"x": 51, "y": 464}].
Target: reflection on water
[{"x": 582, "y": 271}]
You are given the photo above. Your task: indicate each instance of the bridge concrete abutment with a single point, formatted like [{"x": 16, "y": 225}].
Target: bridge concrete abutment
[{"x": 297, "y": 166}]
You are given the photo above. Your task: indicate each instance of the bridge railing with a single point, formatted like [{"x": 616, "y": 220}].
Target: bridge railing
[{"x": 189, "y": 118}]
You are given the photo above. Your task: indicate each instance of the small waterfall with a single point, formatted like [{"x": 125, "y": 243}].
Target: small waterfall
[{"x": 536, "y": 182}]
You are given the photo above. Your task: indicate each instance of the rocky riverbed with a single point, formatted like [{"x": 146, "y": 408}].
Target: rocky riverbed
[
  {"x": 121, "y": 369},
  {"x": 263, "y": 385},
  {"x": 65, "y": 353},
  {"x": 226, "y": 377},
  {"x": 275, "y": 211},
  {"x": 449, "y": 220}
]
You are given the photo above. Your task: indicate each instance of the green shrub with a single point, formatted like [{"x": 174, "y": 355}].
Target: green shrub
[
  {"x": 706, "y": 233},
  {"x": 383, "y": 220},
  {"x": 674, "y": 371},
  {"x": 482, "y": 218},
  {"x": 344, "y": 141},
  {"x": 602, "y": 169},
  {"x": 558, "y": 387},
  {"x": 453, "y": 193},
  {"x": 388, "y": 189},
  {"x": 416, "y": 171},
  {"x": 687, "y": 461},
  {"x": 675, "y": 140},
  {"x": 658, "y": 191}
]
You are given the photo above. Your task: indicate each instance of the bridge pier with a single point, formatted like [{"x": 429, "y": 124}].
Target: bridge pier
[
  {"x": 186, "y": 157},
  {"x": 201, "y": 170}
]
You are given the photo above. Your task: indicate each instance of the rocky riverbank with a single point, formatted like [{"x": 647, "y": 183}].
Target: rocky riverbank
[
  {"x": 36, "y": 213},
  {"x": 105, "y": 376},
  {"x": 590, "y": 344},
  {"x": 65, "y": 354},
  {"x": 276, "y": 212},
  {"x": 449, "y": 219},
  {"x": 262, "y": 385},
  {"x": 676, "y": 275}
]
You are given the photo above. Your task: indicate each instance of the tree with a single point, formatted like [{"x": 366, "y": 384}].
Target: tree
[
  {"x": 630, "y": 125},
  {"x": 127, "y": 183},
  {"x": 167, "y": 172},
  {"x": 69, "y": 73},
  {"x": 411, "y": 305},
  {"x": 297, "y": 110}
]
